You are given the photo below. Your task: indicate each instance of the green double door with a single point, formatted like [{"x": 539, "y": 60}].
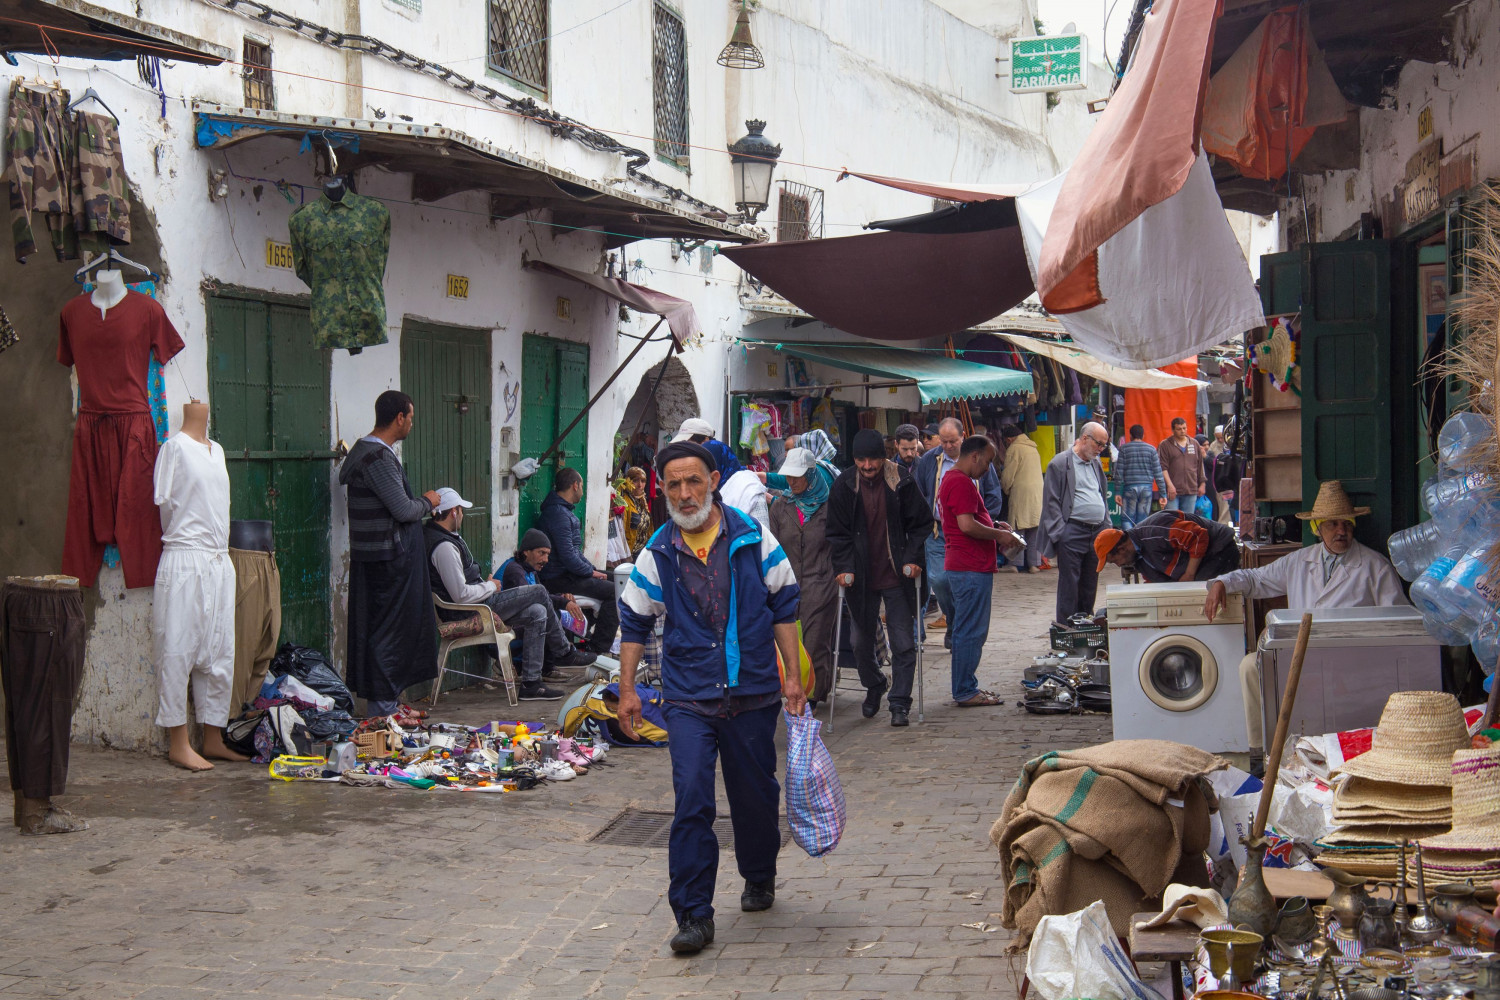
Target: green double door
[
  {"x": 446, "y": 372},
  {"x": 269, "y": 406},
  {"x": 554, "y": 390}
]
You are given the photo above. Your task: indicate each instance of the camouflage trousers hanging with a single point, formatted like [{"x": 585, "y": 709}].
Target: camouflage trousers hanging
[{"x": 66, "y": 168}]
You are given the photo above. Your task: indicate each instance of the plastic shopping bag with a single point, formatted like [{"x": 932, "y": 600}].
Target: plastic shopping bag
[
  {"x": 814, "y": 797},
  {"x": 1078, "y": 955}
]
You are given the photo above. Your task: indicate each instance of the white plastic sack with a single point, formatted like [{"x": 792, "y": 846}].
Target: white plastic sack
[
  {"x": 1078, "y": 955},
  {"x": 291, "y": 687}
]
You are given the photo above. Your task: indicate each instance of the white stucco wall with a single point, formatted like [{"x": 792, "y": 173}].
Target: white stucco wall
[
  {"x": 1462, "y": 97},
  {"x": 912, "y": 92}
]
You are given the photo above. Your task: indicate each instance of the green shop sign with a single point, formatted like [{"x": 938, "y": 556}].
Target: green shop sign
[{"x": 1051, "y": 62}]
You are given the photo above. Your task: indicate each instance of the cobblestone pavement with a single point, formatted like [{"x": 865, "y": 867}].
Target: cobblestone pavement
[{"x": 228, "y": 884}]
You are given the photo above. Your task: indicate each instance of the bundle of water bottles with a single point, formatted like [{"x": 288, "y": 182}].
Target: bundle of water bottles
[{"x": 1446, "y": 558}]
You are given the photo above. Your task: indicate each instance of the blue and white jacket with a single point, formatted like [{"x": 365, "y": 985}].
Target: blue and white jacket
[{"x": 762, "y": 592}]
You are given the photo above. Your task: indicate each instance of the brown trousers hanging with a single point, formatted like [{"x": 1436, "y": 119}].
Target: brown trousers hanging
[
  {"x": 257, "y": 622},
  {"x": 41, "y": 669}
]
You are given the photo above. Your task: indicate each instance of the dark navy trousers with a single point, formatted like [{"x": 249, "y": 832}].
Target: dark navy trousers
[{"x": 745, "y": 744}]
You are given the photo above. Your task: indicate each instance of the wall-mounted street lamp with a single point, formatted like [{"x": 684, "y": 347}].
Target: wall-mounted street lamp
[{"x": 753, "y": 159}]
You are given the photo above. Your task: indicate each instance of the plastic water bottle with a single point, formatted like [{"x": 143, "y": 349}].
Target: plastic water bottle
[
  {"x": 1486, "y": 642},
  {"x": 1440, "y": 492},
  {"x": 1413, "y": 549},
  {"x": 1445, "y": 632},
  {"x": 1460, "y": 438},
  {"x": 1468, "y": 587},
  {"x": 1427, "y": 593}
]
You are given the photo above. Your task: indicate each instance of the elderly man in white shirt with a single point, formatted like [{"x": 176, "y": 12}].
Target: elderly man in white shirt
[{"x": 1338, "y": 573}]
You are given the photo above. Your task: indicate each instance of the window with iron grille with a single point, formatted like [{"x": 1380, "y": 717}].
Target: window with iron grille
[
  {"x": 518, "y": 40},
  {"x": 799, "y": 212},
  {"x": 257, "y": 73},
  {"x": 670, "y": 83}
]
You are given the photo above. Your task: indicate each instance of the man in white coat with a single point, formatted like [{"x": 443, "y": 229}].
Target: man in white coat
[{"x": 1338, "y": 573}]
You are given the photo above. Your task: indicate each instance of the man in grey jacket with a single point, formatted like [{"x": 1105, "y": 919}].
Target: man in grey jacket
[
  {"x": 1073, "y": 512},
  {"x": 392, "y": 631}
]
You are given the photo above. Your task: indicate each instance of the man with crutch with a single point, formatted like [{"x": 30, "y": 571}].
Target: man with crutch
[{"x": 878, "y": 525}]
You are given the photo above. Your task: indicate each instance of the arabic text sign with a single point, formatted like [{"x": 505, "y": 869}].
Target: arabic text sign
[{"x": 1051, "y": 62}]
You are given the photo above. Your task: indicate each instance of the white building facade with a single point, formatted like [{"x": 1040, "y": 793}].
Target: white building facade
[{"x": 448, "y": 112}]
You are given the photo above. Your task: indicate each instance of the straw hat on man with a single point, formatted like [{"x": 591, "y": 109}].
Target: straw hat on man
[{"x": 1338, "y": 572}]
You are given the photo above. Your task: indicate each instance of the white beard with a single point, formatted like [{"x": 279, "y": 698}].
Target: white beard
[{"x": 691, "y": 522}]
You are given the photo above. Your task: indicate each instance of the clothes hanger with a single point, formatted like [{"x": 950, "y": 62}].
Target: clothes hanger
[
  {"x": 111, "y": 255},
  {"x": 336, "y": 185},
  {"x": 92, "y": 95}
]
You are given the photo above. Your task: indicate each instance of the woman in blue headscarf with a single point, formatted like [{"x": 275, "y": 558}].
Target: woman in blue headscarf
[{"x": 799, "y": 517}]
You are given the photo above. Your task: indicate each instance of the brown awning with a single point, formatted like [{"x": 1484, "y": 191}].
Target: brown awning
[
  {"x": 681, "y": 319},
  {"x": 75, "y": 28},
  {"x": 896, "y": 286},
  {"x": 944, "y": 190},
  {"x": 445, "y": 161}
]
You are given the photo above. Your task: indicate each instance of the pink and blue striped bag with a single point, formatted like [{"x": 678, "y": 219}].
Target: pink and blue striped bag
[{"x": 814, "y": 797}]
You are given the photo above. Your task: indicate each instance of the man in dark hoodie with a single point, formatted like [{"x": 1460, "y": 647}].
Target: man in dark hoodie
[
  {"x": 878, "y": 526},
  {"x": 392, "y": 631},
  {"x": 568, "y": 572}
]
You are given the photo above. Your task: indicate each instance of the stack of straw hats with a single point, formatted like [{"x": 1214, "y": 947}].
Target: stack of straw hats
[
  {"x": 1401, "y": 789},
  {"x": 1472, "y": 848}
]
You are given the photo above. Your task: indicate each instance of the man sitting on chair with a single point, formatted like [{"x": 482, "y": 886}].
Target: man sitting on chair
[{"x": 457, "y": 579}]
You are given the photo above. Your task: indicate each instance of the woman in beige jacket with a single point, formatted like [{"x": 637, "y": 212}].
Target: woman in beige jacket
[{"x": 1021, "y": 479}]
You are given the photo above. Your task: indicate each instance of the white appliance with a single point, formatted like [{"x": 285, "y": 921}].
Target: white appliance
[
  {"x": 1175, "y": 675},
  {"x": 1355, "y": 658}
]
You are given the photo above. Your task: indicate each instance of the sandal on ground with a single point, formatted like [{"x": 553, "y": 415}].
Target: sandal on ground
[{"x": 979, "y": 700}]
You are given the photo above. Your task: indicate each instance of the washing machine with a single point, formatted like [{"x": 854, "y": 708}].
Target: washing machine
[{"x": 1174, "y": 675}]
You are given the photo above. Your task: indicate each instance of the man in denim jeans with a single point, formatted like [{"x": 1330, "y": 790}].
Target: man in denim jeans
[
  {"x": 1136, "y": 471},
  {"x": 969, "y": 559}
]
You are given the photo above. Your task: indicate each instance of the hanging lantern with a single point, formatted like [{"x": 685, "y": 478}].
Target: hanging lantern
[
  {"x": 752, "y": 158},
  {"x": 741, "y": 52}
]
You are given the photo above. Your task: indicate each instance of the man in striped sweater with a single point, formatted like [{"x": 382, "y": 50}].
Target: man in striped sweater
[{"x": 392, "y": 631}]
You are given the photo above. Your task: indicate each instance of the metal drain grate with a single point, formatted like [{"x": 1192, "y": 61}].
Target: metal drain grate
[{"x": 652, "y": 828}]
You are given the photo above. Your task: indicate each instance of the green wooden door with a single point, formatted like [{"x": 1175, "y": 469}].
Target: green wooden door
[
  {"x": 1347, "y": 372},
  {"x": 268, "y": 393},
  {"x": 554, "y": 388},
  {"x": 446, "y": 371}
]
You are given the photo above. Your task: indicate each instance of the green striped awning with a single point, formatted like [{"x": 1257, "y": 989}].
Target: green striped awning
[{"x": 937, "y": 376}]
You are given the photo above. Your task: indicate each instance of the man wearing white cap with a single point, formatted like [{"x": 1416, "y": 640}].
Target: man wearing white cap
[
  {"x": 457, "y": 579},
  {"x": 700, "y": 431}
]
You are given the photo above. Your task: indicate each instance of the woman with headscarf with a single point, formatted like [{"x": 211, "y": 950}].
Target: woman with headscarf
[
  {"x": 631, "y": 490},
  {"x": 798, "y": 518}
]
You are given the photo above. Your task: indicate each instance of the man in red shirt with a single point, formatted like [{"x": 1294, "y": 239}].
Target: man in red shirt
[{"x": 969, "y": 561}]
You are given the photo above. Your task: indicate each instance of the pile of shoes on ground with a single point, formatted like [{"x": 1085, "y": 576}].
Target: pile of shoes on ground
[{"x": 496, "y": 757}]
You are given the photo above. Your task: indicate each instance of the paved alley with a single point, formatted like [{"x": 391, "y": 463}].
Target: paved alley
[{"x": 229, "y": 884}]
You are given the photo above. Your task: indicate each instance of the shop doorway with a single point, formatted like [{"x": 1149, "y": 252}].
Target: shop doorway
[
  {"x": 446, "y": 372},
  {"x": 664, "y": 398},
  {"x": 269, "y": 403},
  {"x": 555, "y": 389}
]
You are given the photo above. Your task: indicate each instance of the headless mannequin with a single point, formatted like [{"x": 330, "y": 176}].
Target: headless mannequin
[
  {"x": 180, "y": 750},
  {"x": 109, "y": 291},
  {"x": 334, "y": 187}
]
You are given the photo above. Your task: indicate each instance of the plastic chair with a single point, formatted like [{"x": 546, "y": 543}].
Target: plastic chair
[{"x": 493, "y": 631}]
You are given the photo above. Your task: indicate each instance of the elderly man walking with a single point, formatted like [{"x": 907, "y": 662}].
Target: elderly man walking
[
  {"x": 1073, "y": 511},
  {"x": 878, "y": 526},
  {"x": 1338, "y": 573},
  {"x": 730, "y": 600}
]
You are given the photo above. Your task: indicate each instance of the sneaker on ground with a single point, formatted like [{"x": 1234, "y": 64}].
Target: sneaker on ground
[
  {"x": 538, "y": 691},
  {"x": 574, "y": 658},
  {"x": 757, "y": 896},
  {"x": 692, "y": 934},
  {"x": 940, "y": 623},
  {"x": 557, "y": 770}
]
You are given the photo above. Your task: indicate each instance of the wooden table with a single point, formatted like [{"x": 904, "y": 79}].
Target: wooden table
[{"x": 1174, "y": 942}]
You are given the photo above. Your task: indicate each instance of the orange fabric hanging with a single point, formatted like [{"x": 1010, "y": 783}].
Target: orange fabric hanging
[
  {"x": 1155, "y": 409},
  {"x": 1256, "y": 113}
]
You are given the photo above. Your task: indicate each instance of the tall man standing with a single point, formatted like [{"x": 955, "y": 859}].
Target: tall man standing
[
  {"x": 568, "y": 572},
  {"x": 1073, "y": 511},
  {"x": 392, "y": 632},
  {"x": 731, "y": 604},
  {"x": 878, "y": 525},
  {"x": 1182, "y": 461},
  {"x": 929, "y": 473},
  {"x": 970, "y": 565}
]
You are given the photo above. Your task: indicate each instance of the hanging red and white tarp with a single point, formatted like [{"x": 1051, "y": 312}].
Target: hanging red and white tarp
[{"x": 1174, "y": 281}]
